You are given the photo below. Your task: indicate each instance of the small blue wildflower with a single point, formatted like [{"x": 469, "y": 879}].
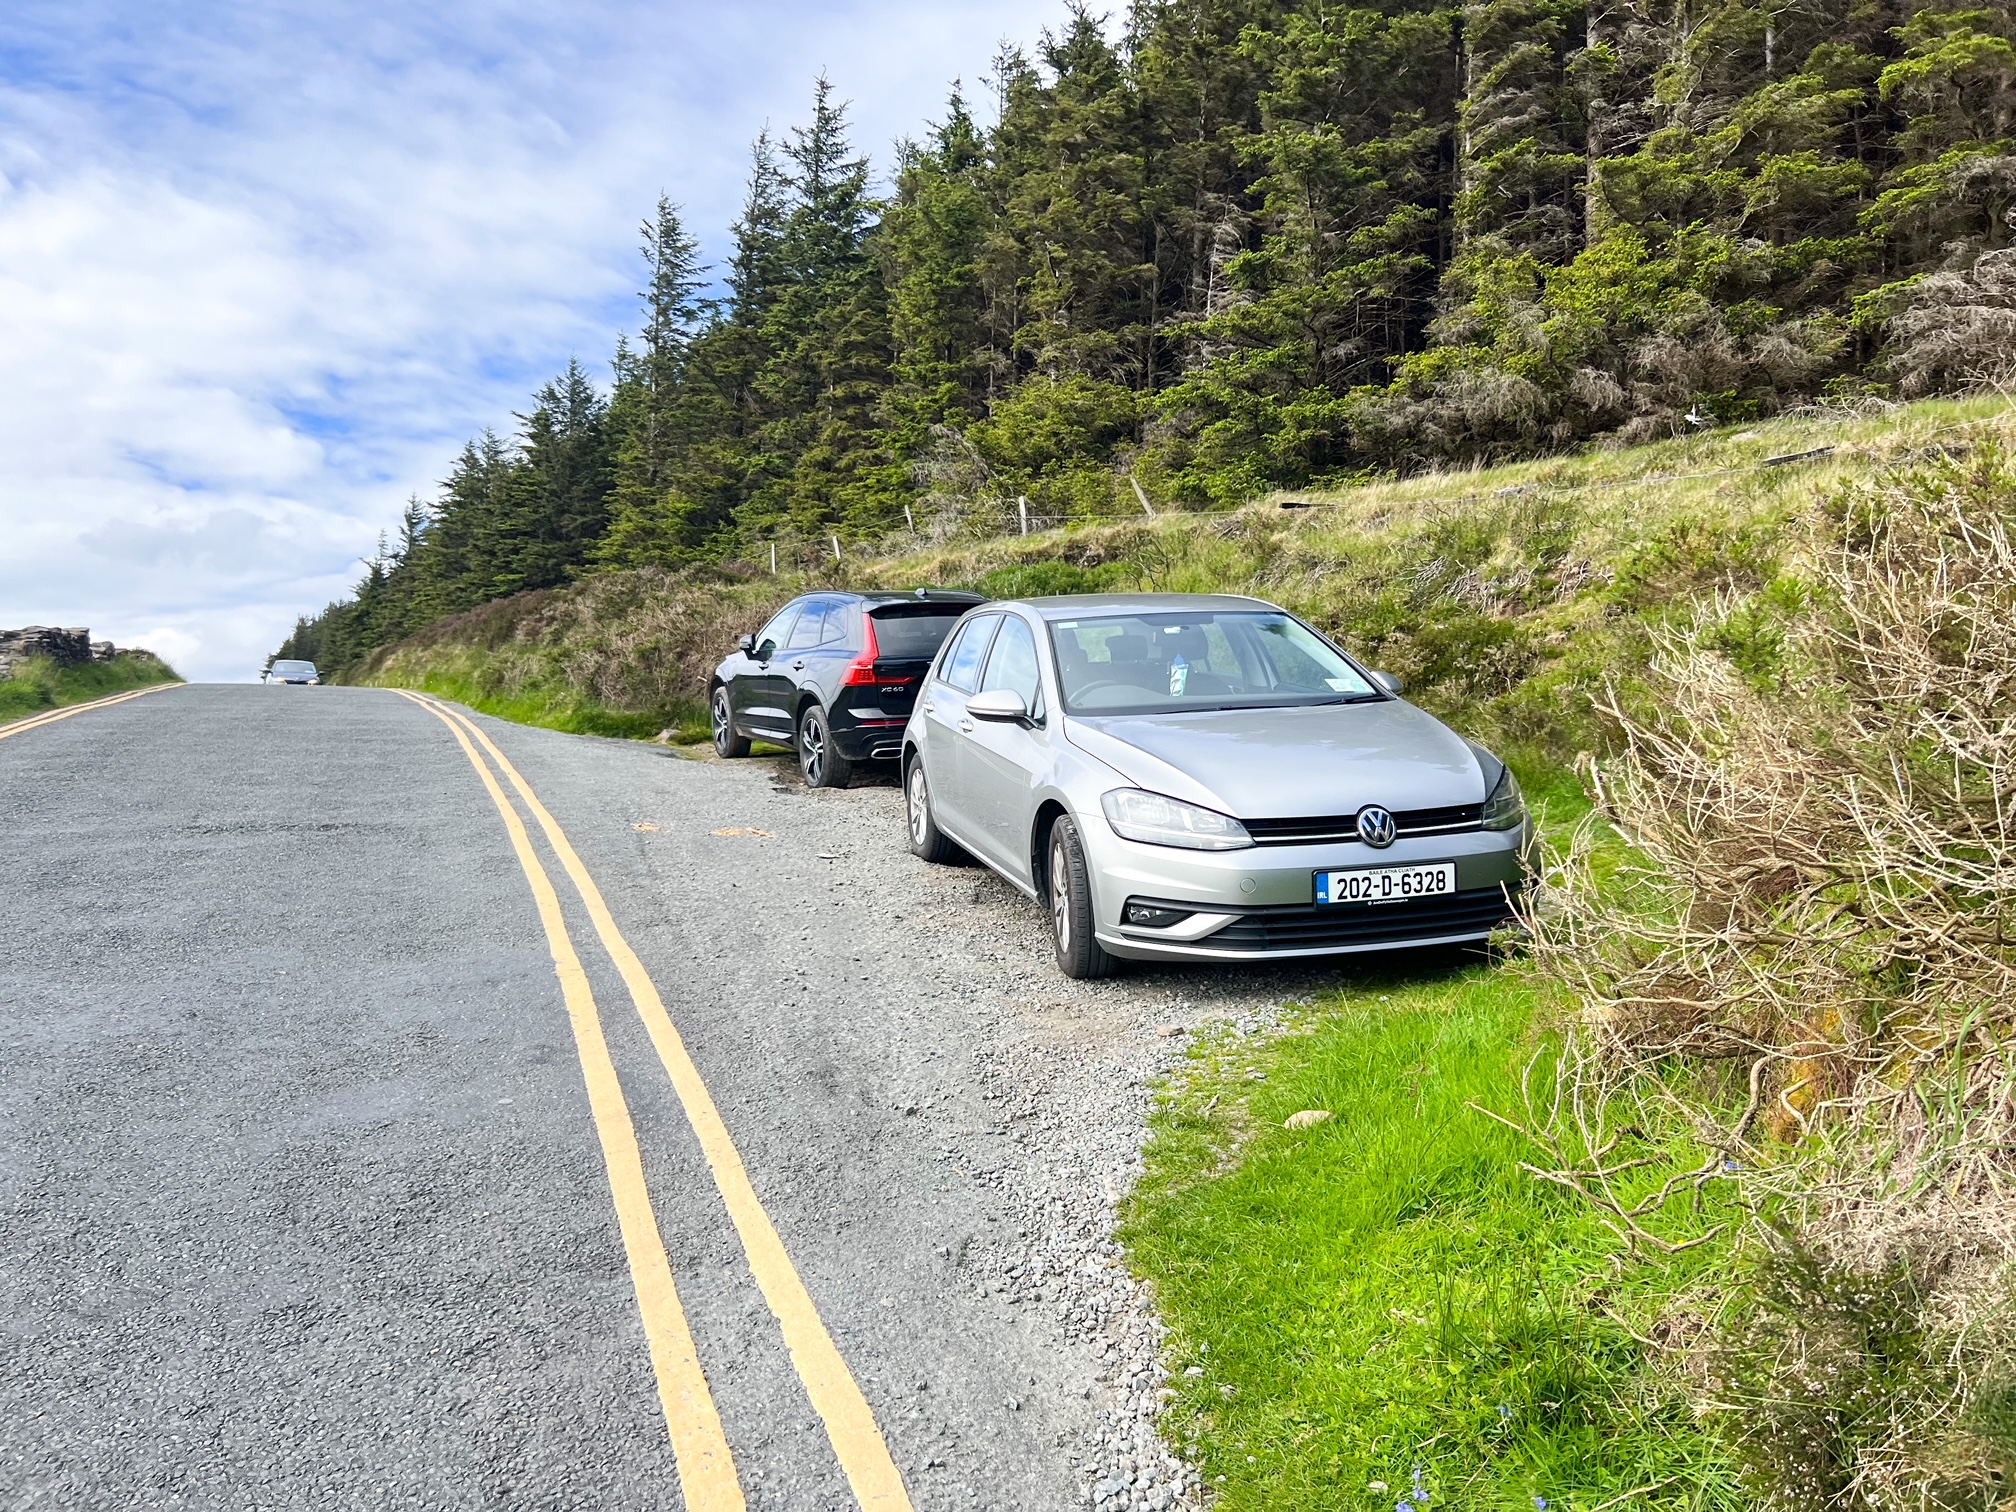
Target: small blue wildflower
[
  {"x": 1540, "y": 1504},
  {"x": 1403, "y": 1506},
  {"x": 1504, "y": 1413}
]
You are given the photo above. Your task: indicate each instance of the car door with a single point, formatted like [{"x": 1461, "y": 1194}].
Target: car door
[
  {"x": 1001, "y": 764},
  {"x": 761, "y": 693},
  {"x": 944, "y": 712},
  {"x": 780, "y": 677},
  {"x": 816, "y": 667}
]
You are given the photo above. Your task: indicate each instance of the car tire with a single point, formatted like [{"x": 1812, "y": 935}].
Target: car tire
[
  {"x": 823, "y": 766},
  {"x": 926, "y": 839},
  {"x": 1080, "y": 956},
  {"x": 727, "y": 744}
]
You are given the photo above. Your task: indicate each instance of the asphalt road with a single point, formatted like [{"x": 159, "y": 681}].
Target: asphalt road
[{"x": 302, "y": 1199}]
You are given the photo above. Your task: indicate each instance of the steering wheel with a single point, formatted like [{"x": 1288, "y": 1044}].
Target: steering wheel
[{"x": 1106, "y": 682}]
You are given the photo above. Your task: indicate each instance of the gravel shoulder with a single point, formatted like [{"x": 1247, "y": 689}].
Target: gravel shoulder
[{"x": 969, "y": 1068}]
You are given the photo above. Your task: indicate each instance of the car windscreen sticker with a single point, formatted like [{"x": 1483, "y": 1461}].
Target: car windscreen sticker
[
  {"x": 1338, "y": 685},
  {"x": 1179, "y": 674}
]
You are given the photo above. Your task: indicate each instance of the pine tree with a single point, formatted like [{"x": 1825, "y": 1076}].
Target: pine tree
[
  {"x": 651, "y": 422},
  {"x": 1250, "y": 243}
]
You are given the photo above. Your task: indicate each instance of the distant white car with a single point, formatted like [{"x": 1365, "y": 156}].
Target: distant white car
[{"x": 303, "y": 672}]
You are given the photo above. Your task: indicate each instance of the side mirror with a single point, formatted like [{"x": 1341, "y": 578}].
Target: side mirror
[
  {"x": 746, "y": 645},
  {"x": 1386, "y": 682},
  {"x": 1002, "y": 706}
]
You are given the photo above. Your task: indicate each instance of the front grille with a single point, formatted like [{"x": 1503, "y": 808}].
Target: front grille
[
  {"x": 1452, "y": 820},
  {"x": 1312, "y": 927}
]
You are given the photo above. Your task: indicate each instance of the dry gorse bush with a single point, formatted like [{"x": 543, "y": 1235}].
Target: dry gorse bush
[{"x": 1809, "y": 965}]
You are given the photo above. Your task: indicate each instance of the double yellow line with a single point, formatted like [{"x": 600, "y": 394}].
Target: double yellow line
[
  {"x": 36, "y": 721},
  {"x": 707, "y": 1477}
]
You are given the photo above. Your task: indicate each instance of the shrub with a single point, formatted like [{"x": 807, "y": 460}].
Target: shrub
[{"x": 1812, "y": 962}]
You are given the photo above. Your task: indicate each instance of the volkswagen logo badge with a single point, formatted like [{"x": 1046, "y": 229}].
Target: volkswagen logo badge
[{"x": 1376, "y": 827}]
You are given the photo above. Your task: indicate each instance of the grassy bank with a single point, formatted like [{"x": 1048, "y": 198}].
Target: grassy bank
[
  {"x": 1504, "y": 595},
  {"x": 41, "y": 684},
  {"x": 1388, "y": 1290}
]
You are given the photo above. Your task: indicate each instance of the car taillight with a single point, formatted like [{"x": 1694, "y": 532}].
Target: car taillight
[{"x": 860, "y": 672}]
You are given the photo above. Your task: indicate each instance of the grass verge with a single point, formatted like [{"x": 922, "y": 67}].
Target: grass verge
[
  {"x": 550, "y": 704},
  {"x": 40, "y": 684},
  {"x": 1387, "y": 1291}
]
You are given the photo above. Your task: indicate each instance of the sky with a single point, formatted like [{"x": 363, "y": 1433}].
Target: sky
[{"x": 264, "y": 267}]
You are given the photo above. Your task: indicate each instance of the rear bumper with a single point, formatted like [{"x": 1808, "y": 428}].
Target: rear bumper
[{"x": 869, "y": 740}]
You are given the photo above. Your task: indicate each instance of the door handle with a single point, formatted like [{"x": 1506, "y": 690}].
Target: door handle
[
  {"x": 966, "y": 725},
  {"x": 797, "y": 666}
]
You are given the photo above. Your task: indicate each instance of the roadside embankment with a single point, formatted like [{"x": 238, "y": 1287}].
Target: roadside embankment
[
  {"x": 44, "y": 667},
  {"x": 1505, "y": 596}
]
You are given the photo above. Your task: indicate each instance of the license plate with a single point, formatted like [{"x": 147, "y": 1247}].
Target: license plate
[{"x": 1387, "y": 884}]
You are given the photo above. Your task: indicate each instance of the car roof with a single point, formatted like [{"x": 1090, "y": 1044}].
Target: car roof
[
  {"x": 1071, "y": 605},
  {"x": 913, "y": 596}
]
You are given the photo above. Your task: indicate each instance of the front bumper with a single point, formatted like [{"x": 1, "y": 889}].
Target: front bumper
[{"x": 1260, "y": 904}]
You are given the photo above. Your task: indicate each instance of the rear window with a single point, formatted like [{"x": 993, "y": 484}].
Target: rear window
[{"x": 914, "y": 634}]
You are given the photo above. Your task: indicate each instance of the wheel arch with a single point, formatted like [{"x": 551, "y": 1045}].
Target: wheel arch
[{"x": 1047, "y": 815}]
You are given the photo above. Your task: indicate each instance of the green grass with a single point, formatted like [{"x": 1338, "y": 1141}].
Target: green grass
[
  {"x": 1389, "y": 1289},
  {"x": 40, "y": 684},
  {"x": 550, "y": 705}
]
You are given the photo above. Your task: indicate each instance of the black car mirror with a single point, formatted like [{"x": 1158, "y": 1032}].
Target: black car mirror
[
  {"x": 1386, "y": 682},
  {"x": 1001, "y": 706}
]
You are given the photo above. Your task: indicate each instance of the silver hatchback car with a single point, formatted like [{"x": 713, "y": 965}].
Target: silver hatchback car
[{"x": 1189, "y": 777}]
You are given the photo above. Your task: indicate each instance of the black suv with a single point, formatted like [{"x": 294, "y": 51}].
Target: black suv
[{"x": 835, "y": 675}]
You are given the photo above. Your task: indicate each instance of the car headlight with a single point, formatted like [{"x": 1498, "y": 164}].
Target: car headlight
[
  {"x": 1506, "y": 807},
  {"x": 1156, "y": 820}
]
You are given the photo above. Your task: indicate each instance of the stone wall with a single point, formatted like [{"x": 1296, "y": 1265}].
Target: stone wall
[{"x": 64, "y": 647}]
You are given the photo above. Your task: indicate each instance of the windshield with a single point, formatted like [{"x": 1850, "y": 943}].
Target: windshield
[
  {"x": 908, "y": 634},
  {"x": 285, "y": 667},
  {"x": 1173, "y": 663}
]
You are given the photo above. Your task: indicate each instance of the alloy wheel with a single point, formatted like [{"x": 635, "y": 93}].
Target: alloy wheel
[
  {"x": 720, "y": 716},
  {"x": 920, "y": 801},
  {"x": 813, "y": 740},
  {"x": 1060, "y": 897}
]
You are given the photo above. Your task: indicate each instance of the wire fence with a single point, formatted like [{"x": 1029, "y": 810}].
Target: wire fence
[{"x": 984, "y": 519}]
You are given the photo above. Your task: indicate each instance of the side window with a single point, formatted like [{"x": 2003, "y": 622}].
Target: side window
[
  {"x": 838, "y": 618},
  {"x": 961, "y": 666},
  {"x": 811, "y": 625},
  {"x": 1012, "y": 665},
  {"x": 778, "y": 628}
]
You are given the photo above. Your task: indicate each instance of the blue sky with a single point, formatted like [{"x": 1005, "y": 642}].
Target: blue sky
[{"x": 264, "y": 267}]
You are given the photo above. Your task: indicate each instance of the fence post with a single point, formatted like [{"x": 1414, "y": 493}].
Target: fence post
[
  {"x": 836, "y": 548},
  {"x": 909, "y": 519},
  {"x": 773, "y": 559},
  {"x": 1023, "y": 501},
  {"x": 1141, "y": 494}
]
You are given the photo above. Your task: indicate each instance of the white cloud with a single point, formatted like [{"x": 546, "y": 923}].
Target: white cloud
[{"x": 264, "y": 267}]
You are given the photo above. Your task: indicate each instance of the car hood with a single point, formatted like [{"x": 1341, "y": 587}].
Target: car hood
[{"x": 1290, "y": 763}]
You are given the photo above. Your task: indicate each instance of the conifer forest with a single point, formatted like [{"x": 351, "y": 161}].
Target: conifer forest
[{"x": 1217, "y": 247}]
